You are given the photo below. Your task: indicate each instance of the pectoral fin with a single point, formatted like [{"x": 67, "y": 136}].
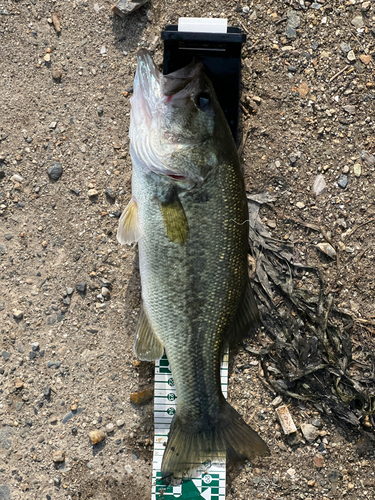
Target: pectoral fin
[
  {"x": 175, "y": 222},
  {"x": 128, "y": 229},
  {"x": 247, "y": 317},
  {"x": 146, "y": 346}
]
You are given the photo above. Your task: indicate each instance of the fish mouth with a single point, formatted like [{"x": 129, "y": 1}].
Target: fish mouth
[
  {"x": 156, "y": 87},
  {"x": 157, "y": 99}
]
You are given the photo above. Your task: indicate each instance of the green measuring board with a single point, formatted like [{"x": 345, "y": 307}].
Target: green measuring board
[{"x": 211, "y": 484}]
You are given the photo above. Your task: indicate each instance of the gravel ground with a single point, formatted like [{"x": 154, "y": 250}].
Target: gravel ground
[{"x": 70, "y": 295}]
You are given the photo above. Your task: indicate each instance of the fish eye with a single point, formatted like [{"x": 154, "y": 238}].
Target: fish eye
[{"x": 203, "y": 101}]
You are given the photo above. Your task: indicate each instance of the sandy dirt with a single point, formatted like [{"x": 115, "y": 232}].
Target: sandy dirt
[{"x": 66, "y": 360}]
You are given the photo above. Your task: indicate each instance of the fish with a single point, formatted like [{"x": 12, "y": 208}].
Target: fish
[{"x": 188, "y": 213}]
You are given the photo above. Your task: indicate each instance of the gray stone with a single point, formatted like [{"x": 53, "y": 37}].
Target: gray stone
[
  {"x": 293, "y": 22},
  {"x": 4, "y": 492},
  {"x": 81, "y": 287},
  {"x": 24, "y": 432},
  {"x": 343, "y": 181},
  {"x": 57, "y": 481},
  {"x": 5, "y": 354},
  {"x": 293, "y": 19},
  {"x": 32, "y": 355},
  {"x": 358, "y": 22},
  {"x": 310, "y": 432},
  {"x": 66, "y": 301},
  {"x": 319, "y": 185},
  {"x": 51, "y": 320},
  {"x": 35, "y": 346},
  {"x": 316, "y": 5},
  {"x": 350, "y": 108},
  {"x": 110, "y": 194},
  {"x": 345, "y": 47},
  {"x": 125, "y": 7},
  {"x": 55, "y": 171},
  {"x": 5, "y": 434},
  {"x": 8, "y": 236},
  {"x": 47, "y": 391},
  {"x": 69, "y": 291},
  {"x": 18, "y": 405},
  {"x": 317, "y": 423},
  {"x": 291, "y": 33},
  {"x": 3, "y": 249},
  {"x": 99, "y": 110},
  {"x": 368, "y": 158}
]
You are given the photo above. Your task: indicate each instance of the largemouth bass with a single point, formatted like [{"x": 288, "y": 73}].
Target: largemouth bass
[{"x": 189, "y": 214}]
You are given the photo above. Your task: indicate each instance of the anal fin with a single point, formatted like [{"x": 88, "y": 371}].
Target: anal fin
[
  {"x": 146, "y": 345},
  {"x": 247, "y": 317},
  {"x": 128, "y": 228}
]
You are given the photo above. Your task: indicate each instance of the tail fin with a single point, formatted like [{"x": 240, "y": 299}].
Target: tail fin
[{"x": 228, "y": 439}]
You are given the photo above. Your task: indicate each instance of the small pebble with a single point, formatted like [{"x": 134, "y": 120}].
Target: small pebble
[
  {"x": 351, "y": 56},
  {"x": 327, "y": 249},
  {"x": 358, "y": 22},
  {"x": 17, "y": 314},
  {"x": 345, "y": 47},
  {"x": 357, "y": 169},
  {"x": 55, "y": 171},
  {"x": 5, "y": 355},
  {"x": 96, "y": 436},
  {"x": 58, "y": 456},
  {"x": 18, "y": 383},
  {"x": 319, "y": 461},
  {"x": 343, "y": 181},
  {"x": 56, "y": 74},
  {"x": 141, "y": 397},
  {"x": 310, "y": 432},
  {"x": 109, "y": 427},
  {"x": 92, "y": 193},
  {"x": 319, "y": 185},
  {"x": 317, "y": 422},
  {"x": 350, "y": 109},
  {"x": 81, "y": 287},
  {"x": 110, "y": 194}
]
